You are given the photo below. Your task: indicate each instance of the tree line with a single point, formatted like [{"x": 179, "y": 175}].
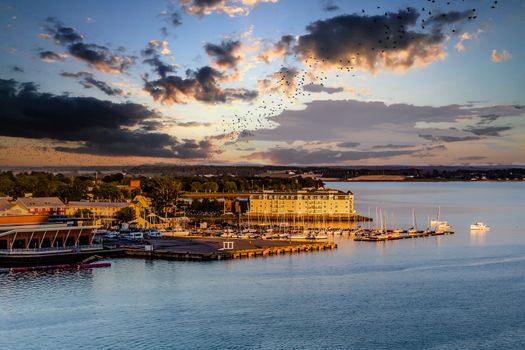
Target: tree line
[{"x": 164, "y": 192}]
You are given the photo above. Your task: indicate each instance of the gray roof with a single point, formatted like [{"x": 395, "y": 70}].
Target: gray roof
[
  {"x": 85, "y": 204},
  {"x": 41, "y": 202},
  {"x": 5, "y": 204}
]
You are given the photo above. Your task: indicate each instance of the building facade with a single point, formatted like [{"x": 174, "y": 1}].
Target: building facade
[
  {"x": 102, "y": 210},
  {"x": 42, "y": 205},
  {"x": 302, "y": 203}
]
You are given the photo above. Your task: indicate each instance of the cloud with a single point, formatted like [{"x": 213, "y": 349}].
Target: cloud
[
  {"x": 51, "y": 56},
  {"x": 281, "y": 48},
  {"x": 99, "y": 127},
  {"x": 374, "y": 121},
  {"x": 469, "y": 158},
  {"x": 202, "y": 85},
  {"x": 231, "y": 8},
  {"x": 157, "y": 46},
  {"x": 466, "y": 36},
  {"x": 193, "y": 124},
  {"x": 446, "y": 138},
  {"x": 329, "y": 6},
  {"x": 88, "y": 81},
  {"x": 460, "y": 46},
  {"x": 226, "y": 55},
  {"x": 300, "y": 156},
  {"x": 348, "y": 144},
  {"x": 100, "y": 57},
  {"x": 488, "y": 130},
  {"x": 391, "y": 146},
  {"x": 376, "y": 42},
  {"x": 172, "y": 16},
  {"x": 497, "y": 57},
  {"x": 96, "y": 56},
  {"x": 283, "y": 81},
  {"x": 321, "y": 88},
  {"x": 152, "y": 54}
]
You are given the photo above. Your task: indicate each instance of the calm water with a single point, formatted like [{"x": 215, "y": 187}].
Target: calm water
[{"x": 465, "y": 291}]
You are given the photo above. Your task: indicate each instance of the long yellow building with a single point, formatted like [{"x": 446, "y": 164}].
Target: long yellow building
[{"x": 302, "y": 203}]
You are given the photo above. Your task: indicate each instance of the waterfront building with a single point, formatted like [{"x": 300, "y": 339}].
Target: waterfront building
[
  {"x": 304, "y": 203},
  {"x": 46, "y": 244},
  {"x": 42, "y": 205},
  {"x": 102, "y": 212},
  {"x": 8, "y": 207}
]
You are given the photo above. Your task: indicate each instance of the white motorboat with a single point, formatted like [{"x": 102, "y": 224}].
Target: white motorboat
[{"x": 479, "y": 226}]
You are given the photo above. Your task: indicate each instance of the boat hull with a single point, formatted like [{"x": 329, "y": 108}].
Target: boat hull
[{"x": 54, "y": 258}]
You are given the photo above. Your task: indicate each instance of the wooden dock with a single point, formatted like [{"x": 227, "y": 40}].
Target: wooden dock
[
  {"x": 201, "y": 249},
  {"x": 393, "y": 237}
]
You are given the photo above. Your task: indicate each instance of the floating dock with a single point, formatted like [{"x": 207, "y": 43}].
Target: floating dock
[
  {"x": 206, "y": 249},
  {"x": 393, "y": 236}
]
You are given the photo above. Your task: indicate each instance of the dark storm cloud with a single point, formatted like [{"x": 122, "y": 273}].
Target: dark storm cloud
[
  {"x": 100, "y": 127},
  {"x": 447, "y": 138},
  {"x": 202, "y": 85},
  {"x": 96, "y": 56},
  {"x": 226, "y": 54},
  {"x": 489, "y": 130},
  {"x": 329, "y": 6},
  {"x": 51, "y": 56},
  {"x": 88, "y": 81},
  {"x": 370, "y": 42},
  {"x": 300, "y": 156},
  {"x": 322, "y": 88},
  {"x": 348, "y": 144}
]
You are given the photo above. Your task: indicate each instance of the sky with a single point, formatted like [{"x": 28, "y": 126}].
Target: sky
[{"x": 279, "y": 82}]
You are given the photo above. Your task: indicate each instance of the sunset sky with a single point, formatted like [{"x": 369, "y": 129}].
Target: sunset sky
[{"x": 310, "y": 82}]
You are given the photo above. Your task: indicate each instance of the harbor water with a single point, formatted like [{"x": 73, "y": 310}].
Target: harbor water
[{"x": 462, "y": 291}]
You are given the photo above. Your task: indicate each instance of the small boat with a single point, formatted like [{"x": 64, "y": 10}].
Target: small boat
[{"x": 479, "y": 226}]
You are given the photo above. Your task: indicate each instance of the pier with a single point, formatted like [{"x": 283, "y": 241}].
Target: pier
[
  {"x": 392, "y": 236},
  {"x": 206, "y": 249}
]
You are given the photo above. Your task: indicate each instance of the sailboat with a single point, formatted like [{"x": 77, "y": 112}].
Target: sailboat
[
  {"x": 413, "y": 229},
  {"x": 440, "y": 226}
]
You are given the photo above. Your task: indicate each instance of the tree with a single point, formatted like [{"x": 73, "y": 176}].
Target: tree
[
  {"x": 163, "y": 193},
  {"x": 126, "y": 214},
  {"x": 196, "y": 186},
  {"x": 210, "y": 186},
  {"x": 107, "y": 191},
  {"x": 7, "y": 186},
  {"x": 230, "y": 186}
]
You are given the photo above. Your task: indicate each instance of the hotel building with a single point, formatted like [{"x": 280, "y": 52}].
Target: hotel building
[{"x": 331, "y": 203}]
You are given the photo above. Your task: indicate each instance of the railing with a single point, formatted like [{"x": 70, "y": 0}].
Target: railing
[{"x": 52, "y": 249}]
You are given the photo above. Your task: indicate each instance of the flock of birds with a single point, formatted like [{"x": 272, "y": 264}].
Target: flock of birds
[
  {"x": 288, "y": 87},
  {"x": 289, "y": 84}
]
